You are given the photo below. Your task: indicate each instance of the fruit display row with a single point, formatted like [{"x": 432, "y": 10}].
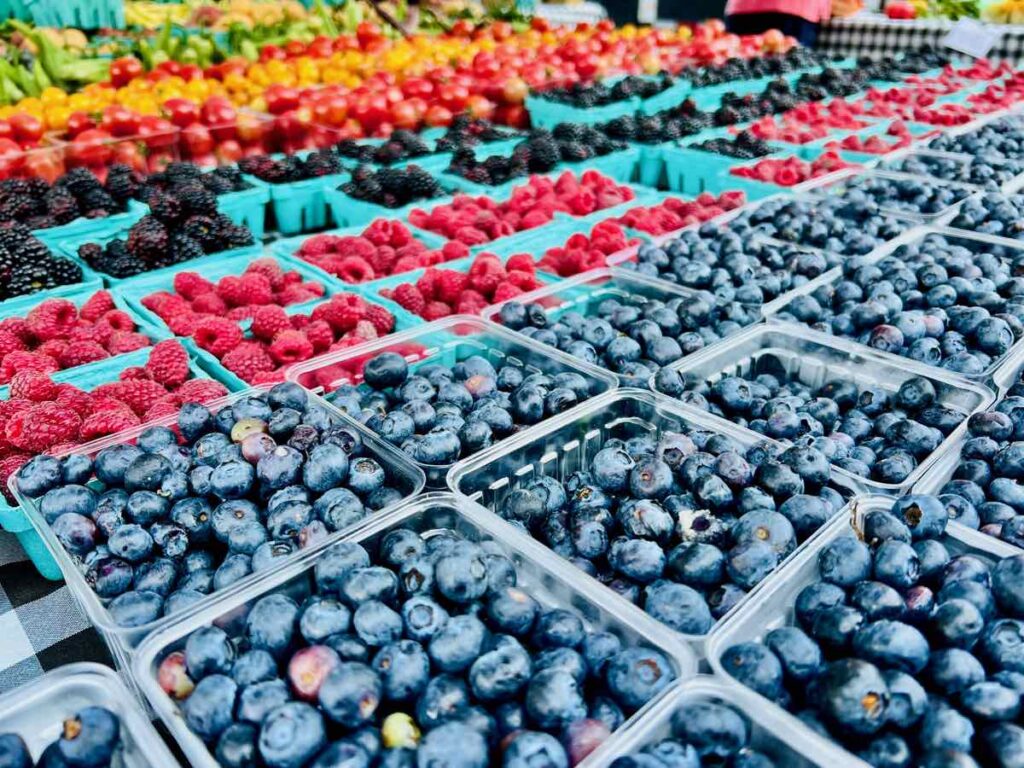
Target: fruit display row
[{"x": 354, "y": 449}]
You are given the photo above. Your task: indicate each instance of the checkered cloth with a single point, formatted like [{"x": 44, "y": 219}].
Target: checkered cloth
[
  {"x": 875, "y": 35},
  {"x": 41, "y": 628}
]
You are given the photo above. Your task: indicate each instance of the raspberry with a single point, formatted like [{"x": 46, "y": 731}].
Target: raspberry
[
  {"x": 427, "y": 284},
  {"x": 408, "y": 297},
  {"x": 17, "y": 326},
  {"x": 53, "y": 319},
  {"x": 241, "y": 313},
  {"x": 106, "y": 402},
  {"x": 506, "y": 291},
  {"x": 134, "y": 372},
  {"x": 383, "y": 260},
  {"x": 364, "y": 330},
  {"x": 108, "y": 422},
  {"x": 382, "y": 320},
  {"x": 320, "y": 335},
  {"x": 168, "y": 363},
  {"x": 342, "y": 312},
  {"x": 217, "y": 335},
  {"x": 53, "y": 348},
  {"x": 33, "y": 385},
  {"x": 41, "y": 426},
  {"x": 200, "y": 391},
  {"x": 25, "y": 361},
  {"x": 268, "y": 322},
  {"x": 270, "y": 269},
  {"x": 184, "y": 325},
  {"x": 524, "y": 280},
  {"x": 166, "y": 305},
  {"x": 189, "y": 285},
  {"x": 137, "y": 394},
  {"x": 355, "y": 269},
  {"x": 161, "y": 409},
  {"x": 252, "y": 288},
  {"x": 435, "y": 310},
  {"x": 487, "y": 282},
  {"x": 96, "y": 306},
  {"x": 522, "y": 262},
  {"x": 72, "y": 397},
  {"x": 8, "y": 466},
  {"x": 122, "y": 342},
  {"x": 118, "y": 320},
  {"x": 82, "y": 352},
  {"x": 299, "y": 322},
  {"x": 209, "y": 303},
  {"x": 450, "y": 285},
  {"x": 246, "y": 363},
  {"x": 9, "y": 343},
  {"x": 296, "y": 294},
  {"x": 290, "y": 347},
  {"x": 406, "y": 264},
  {"x": 268, "y": 377}
]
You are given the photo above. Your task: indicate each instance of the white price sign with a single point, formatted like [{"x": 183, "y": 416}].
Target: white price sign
[{"x": 972, "y": 37}]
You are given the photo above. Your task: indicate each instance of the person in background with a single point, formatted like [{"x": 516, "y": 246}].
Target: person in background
[{"x": 797, "y": 18}]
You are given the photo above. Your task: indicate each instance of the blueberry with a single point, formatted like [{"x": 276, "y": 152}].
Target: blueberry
[
  {"x": 208, "y": 710},
  {"x": 853, "y": 694},
  {"x": 637, "y": 675},
  {"x": 716, "y": 731},
  {"x": 291, "y": 735},
  {"x": 271, "y": 624},
  {"x": 435, "y": 749},
  {"x": 90, "y": 738}
]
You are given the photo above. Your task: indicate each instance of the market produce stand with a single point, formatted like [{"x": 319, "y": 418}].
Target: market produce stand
[{"x": 875, "y": 35}]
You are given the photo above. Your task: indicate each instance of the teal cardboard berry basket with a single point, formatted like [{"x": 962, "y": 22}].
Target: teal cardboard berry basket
[
  {"x": 692, "y": 171},
  {"x": 348, "y": 212},
  {"x": 86, "y": 377},
  {"x": 247, "y": 207},
  {"x": 300, "y": 206},
  {"x": 82, "y": 227}
]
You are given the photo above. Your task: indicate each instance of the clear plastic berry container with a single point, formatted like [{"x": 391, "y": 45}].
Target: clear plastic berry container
[
  {"x": 775, "y": 608},
  {"x": 35, "y": 712},
  {"x": 447, "y": 341},
  {"x": 841, "y": 184},
  {"x": 121, "y": 640},
  {"x": 918, "y": 237},
  {"x": 552, "y": 583},
  {"x": 813, "y": 359},
  {"x": 949, "y": 166},
  {"x": 584, "y": 292},
  {"x": 568, "y": 443},
  {"x": 769, "y": 733}
]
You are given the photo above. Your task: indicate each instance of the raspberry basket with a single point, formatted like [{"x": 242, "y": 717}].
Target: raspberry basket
[
  {"x": 814, "y": 359},
  {"x": 568, "y": 442},
  {"x": 122, "y": 640},
  {"x": 691, "y": 170},
  {"x": 448, "y": 341},
  {"x": 774, "y": 609},
  {"x": 550, "y": 582},
  {"x": 36, "y": 711},
  {"x": 14, "y": 518}
]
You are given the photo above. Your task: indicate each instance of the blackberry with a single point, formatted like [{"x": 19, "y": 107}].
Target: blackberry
[
  {"x": 321, "y": 162},
  {"x": 165, "y": 208},
  {"x": 623, "y": 127},
  {"x": 573, "y": 152},
  {"x": 225, "y": 178},
  {"x": 115, "y": 260},
  {"x": 19, "y": 208},
  {"x": 228, "y": 235},
  {"x": 179, "y": 173},
  {"x": 572, "y": 132},
  {"x": 265, "y": 168},
  {"x": 363, "y": 153},
  {"x": 200, "y": 229},
  {"x": 26, "y": 279},
  {"x": 478, "y": 175},
  {"x": 64, "y": 271},
  {"x": 393, "y": 187},
  {"x": 61, "y": 205},
  {"x": 184, "y": 248},
  {"x": 123, "y": 183},
  {"x": 148, "y": 239},
  {"x": 196, "y": 199}
]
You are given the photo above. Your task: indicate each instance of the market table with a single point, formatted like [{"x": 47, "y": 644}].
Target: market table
[
  {"x": 877, "y": 36},
  {"x": 41, "y": 627}
]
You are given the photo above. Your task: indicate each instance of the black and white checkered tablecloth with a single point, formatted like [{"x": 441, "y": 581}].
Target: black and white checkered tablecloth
[
  {"x": 41, "y": 627},
  {"x": 869, "y": 34}
]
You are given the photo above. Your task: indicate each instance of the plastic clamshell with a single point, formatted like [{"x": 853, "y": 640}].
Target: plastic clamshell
[
  {"x": 774, "y": 608},
  {"x": 37, "y": 709},
  {"x": 568, "y": 442},
  {"x": 769, "y": 733},
  {"x": 814, "y": 359},
  {"x": 543, "y": 577},
  {"x": 121, "y": 640},
  {"x": 447, "y": 341},
  {"x": 915, "y": 236},
  {"x": 582, "y": 293}
]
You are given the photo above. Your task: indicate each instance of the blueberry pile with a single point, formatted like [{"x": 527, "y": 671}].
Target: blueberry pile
[
  {"x": 681, "y": 524},
  {"x": 632, "y": 336},
  {"x": 744, "y": 145},
  {"x": 392, "y": 187},
  {"x": 1001, "y": 139},
  {"x": 903, "y": 650},
  {"x": 597, "y": 94},
  {"x": 984, "y": 491},
  {"x": 703, "y": 733},
  {"x": 936, "y": 301},
  {"x": 752, "y": 68},
  {"x": 539, "y": 152},
  {"x": 869, "y": 431},
  {"x": 869, "y": 193},
  {"x": 719, "y": 259},
  {"x": 157, "y": 525},
  {"x": 320, "y": 162},
  {"x": 89, "y": 739},
  {"x": 988, "y": 175},
  {"x": 993, "y": 214},
  {"x": 438, "y": 414},
  {"x": 829, "y": 224},
  {"x": 423, "y": 653}
]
